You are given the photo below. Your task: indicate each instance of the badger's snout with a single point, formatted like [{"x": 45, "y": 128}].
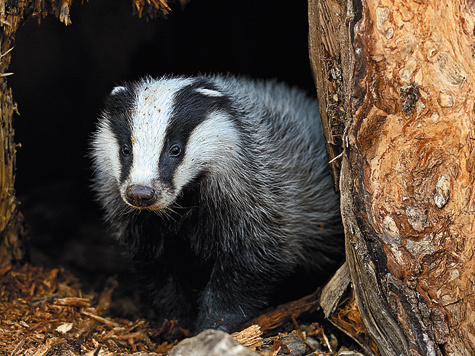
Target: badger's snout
[{"x": 140, "y": 196}]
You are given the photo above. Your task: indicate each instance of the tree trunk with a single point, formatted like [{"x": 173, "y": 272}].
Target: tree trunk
[
  {"x": 406, "y": 99},
  {"x": 11, "y": 247}
]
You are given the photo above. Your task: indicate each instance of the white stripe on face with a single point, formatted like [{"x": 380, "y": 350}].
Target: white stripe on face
[
  {"x": 106, "y": 150},
  {"x": 150, "y": 119},
  {"x": 211, "y": 147}
]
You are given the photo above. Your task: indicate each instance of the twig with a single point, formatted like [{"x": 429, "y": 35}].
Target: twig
[
  {"x": 100, "y": 319},
  {"x": 282, "y": 315},
  {"x": 326, "y": 341},
  {"x": 19, "y": 346},
  {"x": 335, "y": 158},
  {"x": 8, "y": 51}
]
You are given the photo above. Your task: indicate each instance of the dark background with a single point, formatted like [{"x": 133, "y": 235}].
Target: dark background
[{"x": 62, "y": 74}]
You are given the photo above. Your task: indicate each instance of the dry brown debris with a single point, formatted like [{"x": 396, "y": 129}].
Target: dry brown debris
[
  {"x": 45, "y": 313},
  {"x": 348, "y": 318}
]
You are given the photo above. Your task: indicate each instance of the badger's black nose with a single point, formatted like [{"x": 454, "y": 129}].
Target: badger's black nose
[{"x": 141, "y": 196}]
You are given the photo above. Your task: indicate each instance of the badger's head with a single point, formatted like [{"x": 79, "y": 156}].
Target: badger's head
[{"x": 156, "y": 136}]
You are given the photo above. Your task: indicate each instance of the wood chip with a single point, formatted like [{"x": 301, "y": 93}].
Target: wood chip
[
  {"x": 249, "y": 337},
  {"x": 64, "y": 328},
  {"x": 75, "y": 302}
]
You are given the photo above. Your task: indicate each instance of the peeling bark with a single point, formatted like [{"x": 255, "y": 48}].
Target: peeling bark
[
  {"x": 331, "y": 58},
  {"x": 407, "y": 172},
  {"x": 11, "y": 248}
]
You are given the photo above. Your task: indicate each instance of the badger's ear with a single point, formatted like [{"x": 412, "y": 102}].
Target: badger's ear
[
  {"x": 209, "y": 92},
  {"x": 118, "y": 90}
]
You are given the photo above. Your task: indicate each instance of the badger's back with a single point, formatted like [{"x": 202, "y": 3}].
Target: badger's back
[{"x": 286, "y": 145}]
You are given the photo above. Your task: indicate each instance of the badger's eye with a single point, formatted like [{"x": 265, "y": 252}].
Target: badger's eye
[
  {"x": 126, "y": 150},
  {"x": 175, "y": 150}
]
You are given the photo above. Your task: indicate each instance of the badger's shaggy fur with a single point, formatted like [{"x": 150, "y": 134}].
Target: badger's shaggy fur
[{"x": 218, "y": 188}]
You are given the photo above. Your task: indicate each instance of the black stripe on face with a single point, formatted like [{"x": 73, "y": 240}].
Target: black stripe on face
[
  {"x": 190, "y": 109},
  {"x": 118, "y": 110}
]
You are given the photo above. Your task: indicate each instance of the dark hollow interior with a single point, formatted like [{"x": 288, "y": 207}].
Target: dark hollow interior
[{"x": 62, "y": 74}]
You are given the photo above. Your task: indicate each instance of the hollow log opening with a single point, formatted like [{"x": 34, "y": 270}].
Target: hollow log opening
[{"x": 62, "y": 74}]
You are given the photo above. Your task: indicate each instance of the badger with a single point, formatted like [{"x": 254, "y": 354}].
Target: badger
[{"x": 217, "y": 187}]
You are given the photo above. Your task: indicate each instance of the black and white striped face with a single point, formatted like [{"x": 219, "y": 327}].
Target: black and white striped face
[{"x": 157, "y": 136}]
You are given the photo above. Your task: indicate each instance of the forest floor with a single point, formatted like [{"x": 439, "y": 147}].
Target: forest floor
[
  {"x": 92, "y": 305},
  {"x": 45, "y": 312}
]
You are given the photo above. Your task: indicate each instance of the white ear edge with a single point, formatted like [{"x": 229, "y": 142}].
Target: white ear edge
[
  {"x": 118, "y": 90},
  {"x": 210, "y": 92}
]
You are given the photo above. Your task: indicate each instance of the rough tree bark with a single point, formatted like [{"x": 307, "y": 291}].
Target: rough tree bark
[
  {"x": 11, "y": 247},
  {"x": 397, "y": 79}
]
